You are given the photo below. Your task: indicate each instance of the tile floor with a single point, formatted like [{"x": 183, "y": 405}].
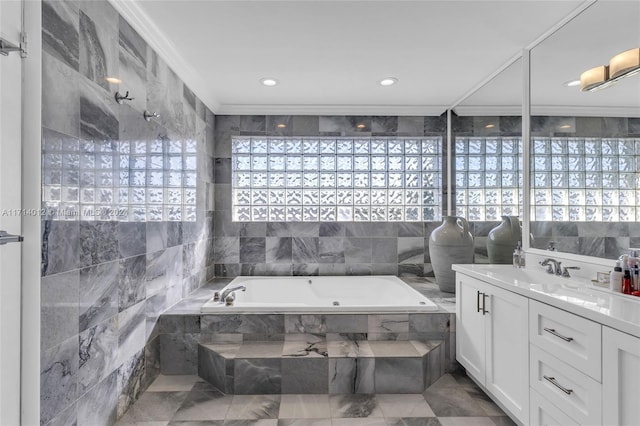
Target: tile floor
[{"x": 454, "y": 400}]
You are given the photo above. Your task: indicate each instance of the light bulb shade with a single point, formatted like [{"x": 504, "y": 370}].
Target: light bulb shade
[
  {"x": 624, "y": 63},
  {"x": 594, "y": 78}
]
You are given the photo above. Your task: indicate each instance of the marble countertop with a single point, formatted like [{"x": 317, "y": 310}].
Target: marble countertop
[
  {"x": 577, "y": 296},
  {"x": 426, "y": 286}
]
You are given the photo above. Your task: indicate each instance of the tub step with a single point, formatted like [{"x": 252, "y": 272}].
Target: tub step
[{"x": 320, "y": 367}]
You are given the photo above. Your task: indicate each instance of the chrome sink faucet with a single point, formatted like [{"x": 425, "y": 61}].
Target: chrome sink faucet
[{"x": 552, "y": 266}]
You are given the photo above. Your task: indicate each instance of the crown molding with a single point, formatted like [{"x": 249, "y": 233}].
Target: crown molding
[
  {"x": 395, "y": 110},
  {"x": 584, "y": 111},
  {"x": 548, "y": 110},
  {"x": 158, "y": 41},
  {"x": 489, "y": 110}
]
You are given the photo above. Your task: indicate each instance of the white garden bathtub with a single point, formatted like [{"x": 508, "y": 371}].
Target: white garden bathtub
[{"x": 327, "y": 294}]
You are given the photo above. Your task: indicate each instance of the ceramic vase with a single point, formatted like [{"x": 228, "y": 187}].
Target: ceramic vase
[
  {"x": 450, "y": 243},
  {"x": 502, "y": 240}
]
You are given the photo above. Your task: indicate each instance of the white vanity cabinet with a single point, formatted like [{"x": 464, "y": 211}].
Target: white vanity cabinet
[
  {"x": 546, "y": 351},
  {"x": 620, "y": 378},
  {"x": 492, "y": 341}
]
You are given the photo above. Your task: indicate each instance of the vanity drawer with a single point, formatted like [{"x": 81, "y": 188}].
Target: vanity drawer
[
  {"x": 574, "y": 393},
  {"x": 573, "y": 339},
  {"x": 544, "y": 413}
]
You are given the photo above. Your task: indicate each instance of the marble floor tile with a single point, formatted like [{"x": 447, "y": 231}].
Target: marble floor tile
[
  {"x": 466, "y": 421},
  {"x": 204, "y": 405},
  {"x": 259, "y": 422},
  {"x": 294, "y": 406},
  {"x": 483, "y": 400},
  {"x": 404, "y": 405},
  {"x": 304, "y": 422},
  {"x": 413, "y": 421},
  {"x": 369, "y": 421},
  {"x": 252, "y": 407},
  {"x": 362, "y": 405},
  {"x": 176, "y": 383},
  {"x": 154, "y": 406},
  {"x": 123, "y": 422},
  {"x": 452, "y": 402},
  {"x": 502, "y": 421}
]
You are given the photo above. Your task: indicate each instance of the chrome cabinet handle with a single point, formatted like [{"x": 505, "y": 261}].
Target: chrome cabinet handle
[
  {"x": 555, "y": 333},
  {"x": 552, "y": 380},
  {"x": 478, "y": 301}
]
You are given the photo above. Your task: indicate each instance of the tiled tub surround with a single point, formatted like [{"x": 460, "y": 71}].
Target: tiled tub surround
[
  {"x": 453, "y": 400},
  {"x": 183, "y": 328},
  {"x": 106, "y": 280}
]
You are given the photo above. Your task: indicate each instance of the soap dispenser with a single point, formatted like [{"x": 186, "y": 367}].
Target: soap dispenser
[{"x": 518, "y": 257}]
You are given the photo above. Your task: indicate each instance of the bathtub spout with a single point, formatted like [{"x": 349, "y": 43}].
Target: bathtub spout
[{"x": 226, "y": 292}]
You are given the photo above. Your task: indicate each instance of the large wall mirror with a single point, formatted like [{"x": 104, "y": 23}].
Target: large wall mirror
[
  {"x": 585, "y": 145},
  {"x": 487, "y": 155}
]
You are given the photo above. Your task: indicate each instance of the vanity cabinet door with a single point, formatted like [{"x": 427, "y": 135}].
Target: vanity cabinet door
[
  {"x": 470, "y": 329},
  {"x": 507, "y": 349},
  {"x": 620, "y": 378}
]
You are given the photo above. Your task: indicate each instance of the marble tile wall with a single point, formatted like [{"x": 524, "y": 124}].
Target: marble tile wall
[
  {"x": 104, "y": 283},
  {"x": 327, "y": 248}
]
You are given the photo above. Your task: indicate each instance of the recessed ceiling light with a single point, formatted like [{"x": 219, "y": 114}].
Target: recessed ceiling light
[
  {"x": 388, "y": 81},
  {"x": 490, "y": 126},
  {"x": 361, "y": 126},
  {"x": 268, "y": 81},
  {"x": 566, "y": 126},
  {"x": 571, "y": 83},
  {"x": 113, "y": 80},
  {"x": 281, "y": 125}
]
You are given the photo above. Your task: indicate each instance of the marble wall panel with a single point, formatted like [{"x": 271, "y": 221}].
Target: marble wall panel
[
  {"x": 99, "y": 405},
  {"x": 58, "y": 378},
  {"x": 98, "y": 294},
  {"x": 59, "y": 309},
  {"x": 61, "y": 100},
  {"x": 105, "y": 283},
  {"x": 98, "y": 354}
]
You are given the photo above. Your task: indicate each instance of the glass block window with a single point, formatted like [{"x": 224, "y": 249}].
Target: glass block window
[
  {"x": 336, "y": 179},
  {"x": 120, "y": 180},
  {"x": 488, "y": 177},
  {"x": 585, "y": 179}
]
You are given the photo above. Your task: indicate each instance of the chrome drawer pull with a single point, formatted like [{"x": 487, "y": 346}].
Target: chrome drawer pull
[
  {"x": 552, "y": 380},
  {"x": 555, "y": 333}
]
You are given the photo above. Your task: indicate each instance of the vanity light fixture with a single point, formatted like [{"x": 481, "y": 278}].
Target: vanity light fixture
[
  {"x": 113, "y": 80},
  {"x": 622, "y": 65},
  {"x": 281, "y": 125},
  {"x": 594, "y": 78},
  {"x": 489, "y": 126},
  {"x": 268, "y": 81},
  {"x": 625, "y": 64},
  {"x": 361, "y": 125},
  {"x": 388, "y": 81}
]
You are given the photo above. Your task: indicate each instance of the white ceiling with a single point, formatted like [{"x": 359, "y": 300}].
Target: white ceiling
[{"x": 328, "y": 55}]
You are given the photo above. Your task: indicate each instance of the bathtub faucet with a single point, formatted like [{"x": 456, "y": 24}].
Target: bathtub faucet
[{"x": 225, "y": 293}]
